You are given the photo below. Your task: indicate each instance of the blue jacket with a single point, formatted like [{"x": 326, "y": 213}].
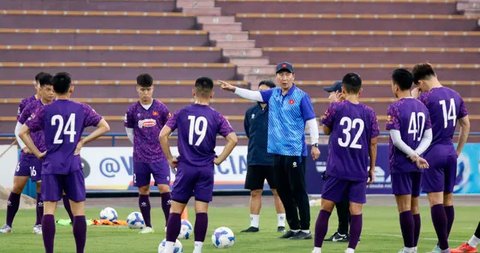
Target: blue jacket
[{"x": 256, "y": 128}]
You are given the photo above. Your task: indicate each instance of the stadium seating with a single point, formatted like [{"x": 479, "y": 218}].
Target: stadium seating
[{"x": 105, "y": 44}]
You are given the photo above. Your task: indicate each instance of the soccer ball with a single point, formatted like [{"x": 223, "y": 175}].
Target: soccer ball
[
  {"x": 135, "y": 220},
  {"x": 177, "y": 247},
  {"x": 109, "y": 213},
  {"x": 223, "y": 237},
  {"x": 185, "y": 230}
]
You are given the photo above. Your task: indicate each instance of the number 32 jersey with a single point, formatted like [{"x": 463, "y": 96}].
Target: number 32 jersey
[
  {"x": 445, "y": 106},
  {"x": 352, "y": 128},
  {"x": 62, "y": 122},
  {"x": 198, "y": 126},
  {"x": 412, "y": 119}
]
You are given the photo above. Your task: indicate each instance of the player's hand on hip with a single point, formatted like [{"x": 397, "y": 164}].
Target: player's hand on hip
[
  {"x": 217, "y": 161},
  {"x": 26, "y": 150},
  {"x": 173, "y": 164},
  {"x": 78, "y": 148},
  {"x": 371, "y": 176},
  {"x": 315, "y": 152},
  {"x": 226, "y": 86},
  {"x": 422, "y": 163},
  {"x": 42, "y": 155}
]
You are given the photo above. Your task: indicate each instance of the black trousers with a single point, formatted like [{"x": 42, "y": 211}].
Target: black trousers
[
  {"x": 343, "y": 214},
  {"x": 290, "y": 178}
]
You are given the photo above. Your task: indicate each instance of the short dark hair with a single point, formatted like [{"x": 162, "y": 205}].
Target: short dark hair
[
  {"x": 352, "y": 83},
  {"x": 145, "y": 80},
  {"x": 268, "y": 83},
  {"x": 403, "y": 78},
  {"x": 204, "y": 86},
  {"x": 61, "y": 82},
  {"x": 422, "y": 71},
  {"x": 45, "y": 79},
  {"x": 39, "y": 75}
]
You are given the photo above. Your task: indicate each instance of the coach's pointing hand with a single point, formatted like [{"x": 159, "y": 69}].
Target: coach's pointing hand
[{"x": 226, "y": 86}]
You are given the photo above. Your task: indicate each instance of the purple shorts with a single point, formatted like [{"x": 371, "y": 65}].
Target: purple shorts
[
  {"x": 54, "y": 185},
  {"x": 142, "y": 171},
  {"x": 192, "y": 181},
  {"x": 406, "y": 183},
  {"x": 29, "y": 166},
  {"x": 441, "y": 175},
  {"x": 337, "y": 190}
]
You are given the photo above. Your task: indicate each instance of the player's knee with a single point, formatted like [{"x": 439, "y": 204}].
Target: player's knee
[
  {"x": 256, "y": 193},
  {"x": 162, "y": 188},
  {"x": 144, "y": 190}
]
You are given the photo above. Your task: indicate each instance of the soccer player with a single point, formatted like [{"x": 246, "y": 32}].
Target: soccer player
[
  {"x": 291, "y": 111},
  {"x": 446, "y": 109},
  {"x": 353, "y": 131},
  {"x": 29, "y": 165},
  {"x": 408, "y": 122},
  {"x": 341, "y": 235},
  {"x": 143, "y": 122},
  {"x": 63, "y": 122},
  {"x": 260, "y": 163},
  {"x": 471, "y": 245},
  {"x": 197, "y": 126}
]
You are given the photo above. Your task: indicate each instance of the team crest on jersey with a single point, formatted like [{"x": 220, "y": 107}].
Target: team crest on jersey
[
  {"x": 253, "y": 115},
  {"x": 169, "y": 115},
  {"x": 155, "y": 113},
  {"x": 291, "y": 101},
  {"x": 147, "y": 123},
  {"x": 389, "y": 119}
]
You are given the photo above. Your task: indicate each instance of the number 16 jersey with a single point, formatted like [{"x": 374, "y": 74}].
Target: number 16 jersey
[
  {"x": 352, "y": 128},
  {"x": 198, "y": 126},
  {"x": 62, "y": 122}
]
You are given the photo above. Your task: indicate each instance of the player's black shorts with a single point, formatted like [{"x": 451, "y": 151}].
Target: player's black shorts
[{"x": 256, "y": 175}]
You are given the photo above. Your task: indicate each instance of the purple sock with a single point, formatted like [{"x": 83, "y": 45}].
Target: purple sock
[
  {"x": 407, "y": 225},
  {"x": 439, "y": 219},
  {"x": 165, "y": 204},
  {"x": 173, "y": 227},
  {"x": 450, "y": 212},
  {"x": 144, "y": 204},
  {"x": 418, "y": 224},
  {"x": 321, "y": 227},
  {"x": 66, "y": 204},
  {"x": 355, "y": 230},
  {"x": 12, "y": 207},
  {"x": 200, "y": 228},
  {"x": 80, "y": 232},
  {"x": 48, "y": 232},
  {"x": 39, "y": 209}
]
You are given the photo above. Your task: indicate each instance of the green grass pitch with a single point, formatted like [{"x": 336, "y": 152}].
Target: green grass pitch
[{"x": 381, "y": 232}]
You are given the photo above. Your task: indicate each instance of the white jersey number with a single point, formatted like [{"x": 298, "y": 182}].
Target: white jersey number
[
  {"x": 451, "y": 114},
  {"x": 416, "y": 125},
  {"x": 349, "y": 125},
  {"x": 67, "y": 129},
  {"x": 198, "y": 126}
]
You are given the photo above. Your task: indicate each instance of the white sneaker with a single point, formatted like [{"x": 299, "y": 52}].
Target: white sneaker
[
  {"x": 5, "y": 229},
  {"x": 146, "y": 230},
  {"x": 37, "y": 229},
  {"x": 436, "y": 249}
]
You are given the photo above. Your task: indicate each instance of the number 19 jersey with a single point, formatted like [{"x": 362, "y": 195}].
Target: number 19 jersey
[
  {"x": 352, "y": 128},
  {"x": 62, "y": 122},
  {"x": 198, "y": 126}
]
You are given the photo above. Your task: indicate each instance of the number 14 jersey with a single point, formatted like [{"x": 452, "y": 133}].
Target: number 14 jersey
[
  {"x": 352, "y": 128},
  {"x": 198, "y": 126}
]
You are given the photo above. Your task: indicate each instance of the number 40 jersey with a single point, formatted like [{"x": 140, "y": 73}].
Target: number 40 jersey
[
  {"x": 62, "y": 122},
  {"x": 198, "y": 126},
  {"x": 352, "y": 128}
]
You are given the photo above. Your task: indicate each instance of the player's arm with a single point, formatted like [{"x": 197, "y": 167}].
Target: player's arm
[
  {"x": 24, "y": 134},
  {"x": 425, "y": 142},
  {"x": 130, "y": 134},
  {"x": 231, "y": 143},
  {"x": 244, "y": 93},
  {"x": 400, "y": 144},
  {"x": 163, "y": 138},
  {"x": 373, "y": 158},
  {"x": 102, "y": 128},
  {"x": 19, "y": 140},
  {"x": 464, "y": 132}
]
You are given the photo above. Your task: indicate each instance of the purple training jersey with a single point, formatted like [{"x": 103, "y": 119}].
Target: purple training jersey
[
  {"x": 146, "y": 126},
  {"x": 62, "y": 122},
  {"x": 352, "y": 128},
  {"x": 412, "y": 119},
  {"x": 198, "y": 126},
  {"x": 446, "y": 107},
  {"x": 37, "y": 136},
  {"x": 23, "y": 104}
]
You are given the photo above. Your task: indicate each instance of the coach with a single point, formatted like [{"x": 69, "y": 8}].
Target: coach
[{"x": 290, "y": 112}]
